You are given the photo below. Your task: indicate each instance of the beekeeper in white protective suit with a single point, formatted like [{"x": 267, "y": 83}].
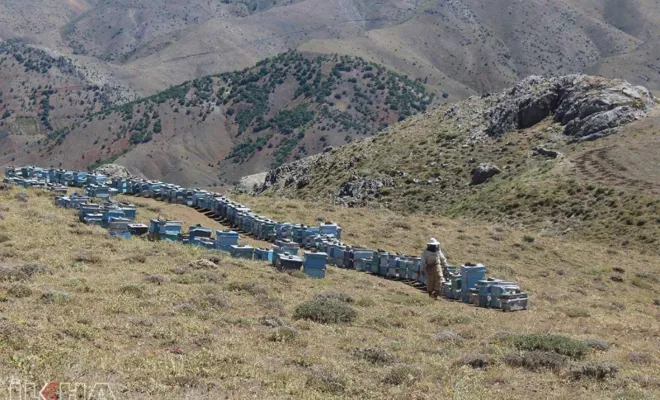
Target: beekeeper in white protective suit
[{"x": 434, "y": 263}]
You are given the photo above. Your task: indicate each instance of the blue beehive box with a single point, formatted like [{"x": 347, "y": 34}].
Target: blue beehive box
[
  {"x": 286, "y": 245},
  {"x": 383, "y": 264},
  {"x": 500, "y": 289},
  {"x": 362, "y": 264},
  {"x": 338, "y": 255},
  {"x": 224, "y": 240},
  {"x": 129, "y": 212},
  {"x": 289, "y": 262},
  {"x": 471, "y": 275},
  {"x": 196, "y": 232},
  {"x": 330, "y": 229},
  {"x": 138, "y": 229},
  {"x": 456, "y": 287},
  {"x": 263, "y": 255},
  {"x": 243, "y": 251},
  {"x": 315, "y": 264}
]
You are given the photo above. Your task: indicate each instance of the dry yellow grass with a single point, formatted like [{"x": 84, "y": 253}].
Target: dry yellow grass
[{"x": 98, "y": 317}]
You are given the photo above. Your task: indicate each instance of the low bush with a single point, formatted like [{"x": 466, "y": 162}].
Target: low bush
[
  {"x": 374, "y": 355},
  {"x": 326, "y": 383},
  {"x": 21, "y": 272},
  {"x": 594, "y": 370},
  {"x": 283, "y": 334},
  {"x": 597, "y": 344},
  {"x": 55, "y": 296},
  {"x": 325, "y": 311},
  {"x": 447, "y": 337},
  {"x": 19, "y": 291},
  {"x": 157, "y": 279},
  {"x": 476, "y": 361},
  {"x": 638, "y": 357},
  {"x": 250, "y": 287},
  {"x": 550, "y": 343},
  {"x": 536, "y": 360},
  {"x": 401, "y": 374},
  {"x": 339, "y": 296}
]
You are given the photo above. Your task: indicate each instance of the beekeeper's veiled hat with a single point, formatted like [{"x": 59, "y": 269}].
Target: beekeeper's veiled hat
[{"x": 433, "y": 242}]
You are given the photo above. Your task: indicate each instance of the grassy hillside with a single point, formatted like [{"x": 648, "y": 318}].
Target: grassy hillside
[
  {"x": 217, "y": 128},
  {"x": 151, "y": 322},
  {"x": 605, "y": 190}
]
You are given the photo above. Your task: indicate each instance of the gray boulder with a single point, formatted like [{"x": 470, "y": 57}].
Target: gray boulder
[
  {"x": 483, "y": 172},
  {"x": 587, "y": 107}
]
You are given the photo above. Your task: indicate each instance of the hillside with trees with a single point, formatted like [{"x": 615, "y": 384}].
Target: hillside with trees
[{"x": 215, "y": 129}]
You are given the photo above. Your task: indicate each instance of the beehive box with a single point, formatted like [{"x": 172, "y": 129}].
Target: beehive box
[
  {"x": 314, "y": 264},
  {"x": 289, "y": 262},
  {"x": 242, "y": 251}
]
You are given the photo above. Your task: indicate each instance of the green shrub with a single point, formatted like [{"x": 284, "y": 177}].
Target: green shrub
[
  {"x": 325, "y": 311},
  {"x": 550, "y": 343}
]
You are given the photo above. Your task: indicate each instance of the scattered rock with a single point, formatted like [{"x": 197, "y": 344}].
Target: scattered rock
[
  {"x": 546, "y": 152},
  {"x": 4, "y": 187},
  {"x": 616, "y": 279},
  {"x": 113, "y": 171},
  {"x": 483, "y": 172},
  {"x": 359, "y": 190},
  {"x": 328, "y": 149}
]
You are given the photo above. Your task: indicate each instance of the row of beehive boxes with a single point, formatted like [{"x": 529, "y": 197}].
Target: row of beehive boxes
[
  {"x": 325, "y": 237},
  {"x": 469, "y": 284},
  {"x": 54, "y": 175}
]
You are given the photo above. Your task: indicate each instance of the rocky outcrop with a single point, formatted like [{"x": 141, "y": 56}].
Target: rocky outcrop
[
  {"x": 113, "y": 171},
  {"x": 483, "y": 172},
  {"x": 587, "y": 107},
  {"x": 250, "y": 184},
  {"x": 293, "y": 175},
  {"x": 360, "y": 190}
]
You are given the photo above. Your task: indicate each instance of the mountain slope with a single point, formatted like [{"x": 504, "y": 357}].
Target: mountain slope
[
  {"x": 555, "y": 171},
  {"x": 227, "y": 125},
  {"x": 40, "y": 94},
  {"x": 465, "y": 46}
]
